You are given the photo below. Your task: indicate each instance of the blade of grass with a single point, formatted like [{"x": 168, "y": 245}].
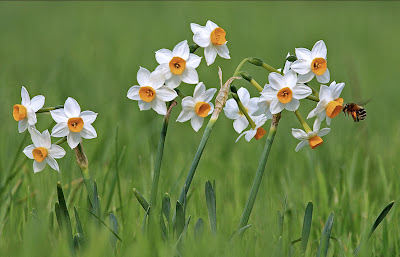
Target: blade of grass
[
  {"x": 141, "y": 200},
  {"x": 326, "y": 234},
  {"x": 114, "y": 226},
  {"x": 305, "y": 234},
  {"x": 211, "y": 207}
]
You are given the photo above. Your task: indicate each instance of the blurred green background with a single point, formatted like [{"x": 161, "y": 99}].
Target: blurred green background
[{"x": 92, "y": 51}]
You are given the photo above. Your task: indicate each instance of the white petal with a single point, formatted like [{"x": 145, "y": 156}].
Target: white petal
[
  {"x": 36, "y": 137},
  {"x": 159, "y": 106},
  {"x": 211, "y": 25},
  {"x": 292, "y": 105},
  {"x": 190, "y": 76},
  {"x": 301, "y": 91},
  {"x": 223, "y": 51},
  {"x": 301, "y": 66},
  {"x": 209, "y": 94},
  {"x": 60, "y": 130},
  {"x": 143, "y": 76},
  {"x": 317, "y": 125},
  {"x": 72, "y": 108},
  {"x": 211, "y": 108},
  {"x": 276, "y": 106},
  {"x": 337, "y": 90},
  {"x": 38, "y": 166},
  {"x": 325, "y": 93},
  {"x": 252, "y": 105},
  {"x": 52, "y": 163},
  {"x": 324, "y": 78},
  {"x": 210, "y": 53},
  {"x": 202, "y": 38},
  {"x": 276, "y": 81},
  {"x": 166, "y": 94},
  {"x": 88, "y": 117},
  {"x": 196, "y": 28},
  {"x": 193, "y": 61},
  {"x": 299, "y": 134},
  {"x": 156, "y": 79},
  {"x": 173, "y": 82},
  {"x": 244, "y": 133},
  {"x": 28, "y": 151},
  {"x": 144, "y": 106},
  {"x": 324, "y": 132},
  {"x": 26, "y": 100},
  {"x": 58, "y": 115},
  {"x": 37, "y": 103},
  {"x": 185, "y": 115},
  {"x": 303, "y": 54},
  {"x": 196, "y": 122},
  {"x": 46, "y": 139},
  {"x": 22, "y": 125},
  {"x": 240, "y": 124},
  {"x": 269, "y": 93},
  {"x": 250, "y": 134},
  {"x": 163, "y": 56},
  {"x": 304, "y": 78},
  {"x": 31, "y": 115},
  {"x": 244, "y": 95},
  {"x": 328, "y": 120},
  {"x": 319, "y": 50},
  {"x": 88, "y": 132},
  {"x": 188, "y": 103},
  {"x": 290, "y": 79},
  {"x": 56, "y": 151},
  {"x": 181, "y": 50},
  {"x": 301, "y": 145},
  {"x": 199, "y": 90},
  {"x": 164, "y": 68},
  {"x": 231, "y": 109},
  {"x": 73, "y": 139}
]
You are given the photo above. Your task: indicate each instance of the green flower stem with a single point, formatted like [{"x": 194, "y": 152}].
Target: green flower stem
[
  {"x": 193, "y": 47},
  {"x": 180, "y": 94},
  {"x": 315, "y": 92},
  {"x": 270, "y": 68},
  {"x": 312, "y": 98},
  {"x": 243, "y": 109},
  {"x": 62, "y": 140},
  {"x": 160, "y": 152},
  {"x": 237, "y": 71},
  {"x": 257, "y": 62},
  {"x": 48, "y": 109},
  {"x": 250, "y": 79},
  {"x": 302, "y": 121},
  {"x": 84, "y": 166},
  {"x": 256, "y": 85},
  {"x": 260, "y": 172}
]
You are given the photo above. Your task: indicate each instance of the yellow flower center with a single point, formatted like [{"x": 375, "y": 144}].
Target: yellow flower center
[
  {"x": 334, "y": 108},
  {"x": 285, "y": 95},
  {"x": 147, "y": 94},
  {"x": 318, "y": 66},
  {"x": 260, "y": 133},
  {"x": 39, "y": 154},
  {"x": 218, "y": 36},
  {"x": 202, "y": 109},
  {"x": 315, "y": 141},
  {"x": 19, "y": 112},
  {"x": 177, "y": 65},
  {"x": 75, "y": 124}
]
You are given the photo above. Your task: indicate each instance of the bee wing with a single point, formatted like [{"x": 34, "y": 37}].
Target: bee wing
[{"x": 365, "y": 102}]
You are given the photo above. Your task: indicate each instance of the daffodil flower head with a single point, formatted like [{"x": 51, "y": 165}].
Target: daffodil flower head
[
  {"x": 178, "y": 65},
  {"x": 258, "y": 132},
  {"x": 198, "y": 107},
  {"x": 284, "y": 92},
  {"x": 25, "y": 113},
  {"x": 312, "y": 138},
  {"x": 312, "y": 63},
  {"x": 212, "y": 38},
  {"x": 151, "y": 92},
  {"x": 233, "y": 112},
  {"x": 42, "y": 151},
  {"x": 330, "y": 104},
  {"x": 73, "y": 123}
]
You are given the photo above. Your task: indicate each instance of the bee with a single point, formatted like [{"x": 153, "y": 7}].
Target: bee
[{"x": 356, "y": 111}]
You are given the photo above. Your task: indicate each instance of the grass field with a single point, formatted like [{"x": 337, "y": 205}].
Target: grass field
[{"x": 91, "y": 51}]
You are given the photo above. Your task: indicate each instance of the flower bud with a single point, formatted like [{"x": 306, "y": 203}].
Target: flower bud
[
  {"x": 291, "y": 58},
  {"x": 256, "y": 61},
  {"x": 245, "y": 75}
]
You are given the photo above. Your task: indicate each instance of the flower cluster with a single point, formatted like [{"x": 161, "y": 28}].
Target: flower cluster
[
  {"x": 159, "y": 87},
  {"x": 72, "y": 125}
]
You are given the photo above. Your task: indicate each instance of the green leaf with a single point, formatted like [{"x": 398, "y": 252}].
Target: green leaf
[
  {"x": 104, "y": 224},
  {"x": 305, "y": 234},
  {"x": 179, "y": 220},
  {"x": 79, "y": 228},
  {"x": 166, "y": 206},
  {"x": 141, "y": 199},
  {"x": 114, "y": 227},
  {"x": 326, "y": 234},
  {"x": 199, "y": 228},
  {"x": 211, "y": 206},
  {"x": 96, "y": 204},
  {"x": 291, "y": 247},
  {"x": 79, "y": 241},
  {"x": 63, "y": 218}
]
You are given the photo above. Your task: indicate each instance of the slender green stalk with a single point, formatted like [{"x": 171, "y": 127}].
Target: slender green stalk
[
  {"x": 270, "y": 68},
  {"x": 237, "y": 71},
  {"x": 117, "y": 171},
  {"x": 84, "y": 166},
  {"x": 250, "y": 79},
  {"x": 313, "y": 98},
  {"x": 260, "y": 172},
  {"x": 315, "y": 92},
  {"x": 243, "y": 109},
  {"x": 302, "y": 121},
  {"x": 50, "y": 109},
  {"x": 60, "y": 141},
  {"x": 180, "y": 94}
]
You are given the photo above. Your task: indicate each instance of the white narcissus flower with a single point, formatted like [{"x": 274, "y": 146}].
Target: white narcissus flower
[
  {"x": 263, "y": 107},
  {"x": 198, "y": 107},
  {"x": 212, "y": 39},
  {"x": 312, "y": 63},
  {"x": 288, "y": 63},
  {"x": 178, "y": 65},
  {"x": 151, "y": 92},
  {"x": 330, "y": 104},
  {"x": 258, "y": 132},
  {"x": 313, "y": 138},
  {"x": 73, "y": 123},
  {"x": 233, "y": 112},
  {"x": 42, "y": 151},
  {"x": 284, "y": 92},
  {"x": 25, "y": 113}
]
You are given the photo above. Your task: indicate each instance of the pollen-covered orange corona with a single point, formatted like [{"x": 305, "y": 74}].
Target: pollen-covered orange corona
[
  {"x": 315, "y": 141},
  {"x": 285, "y": 95},
  {"x": 177, "y": 65},
  {"x": 39, "y": 154},
  {"x": 318, "y": 66},
  {"x": 217, "y": 36},
  {"x": 202, "y": 109},
  {"x": 75, "y": 124},
  {"x": 147, "y": 94},
  {"x": 334, "y": 108},
  {"x": 19, "y": 112}
]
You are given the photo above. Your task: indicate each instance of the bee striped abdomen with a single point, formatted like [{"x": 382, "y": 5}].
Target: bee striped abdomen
[{"x": 357, "y": 112}]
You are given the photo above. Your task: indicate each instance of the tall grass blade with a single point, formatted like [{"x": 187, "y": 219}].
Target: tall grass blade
[
  {"x": 63, "y": 218},
  {"x": 291, "y": 247},
  {"x": 211, "y": 207},
  {"x": 305, "y": 234},
  {"x": 79, "y": 228},
  {"x": 199, "y": 228},
  {"x": 117, "y": 175},
  {"x": 326, "y": 234},
  {"x": 104, "y": 224},
  {"x": 179, "y": 220},
  {"x": 114, "y": 227},
  {"x": 141, "y": 199},
  {"x": 166, "y": 206}
]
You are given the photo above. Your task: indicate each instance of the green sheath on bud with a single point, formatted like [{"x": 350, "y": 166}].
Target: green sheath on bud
[
  {"x": 233, "y": 89},
  {"x": 255, "y": 61},
  {"x": 246, "y": 76},
  {"x": 291, "y": 58}
]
